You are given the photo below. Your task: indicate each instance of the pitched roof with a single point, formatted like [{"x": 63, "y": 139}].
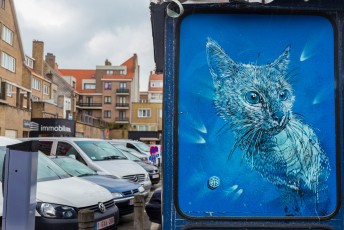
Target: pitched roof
[
  {"x": 155, "y": 77},
  {"x": 130, "y": 64},
  {"x": 79, "y": 75}
]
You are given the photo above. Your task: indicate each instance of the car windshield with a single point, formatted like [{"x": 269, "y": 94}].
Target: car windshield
[
  {"x": 126, "y": 149},
  {"x": 131, "y": 156},
  {"x": 142, "y": 146},
  {"x": 46, "y": 171},
  {"x": 73, "y": 166},
  {"x": 100, "y": 150}
]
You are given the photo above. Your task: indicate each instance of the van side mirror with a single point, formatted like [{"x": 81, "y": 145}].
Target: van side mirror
[{"x": 72, "y": 156}]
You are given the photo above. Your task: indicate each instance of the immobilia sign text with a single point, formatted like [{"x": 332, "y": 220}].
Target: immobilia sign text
[{"x": 53, "y": 127}]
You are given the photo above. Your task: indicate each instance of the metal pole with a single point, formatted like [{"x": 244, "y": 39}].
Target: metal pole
[{"x": 139, "y": 206}]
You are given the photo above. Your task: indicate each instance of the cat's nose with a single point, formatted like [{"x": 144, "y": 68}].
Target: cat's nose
[{"x": 278, "y": 116}]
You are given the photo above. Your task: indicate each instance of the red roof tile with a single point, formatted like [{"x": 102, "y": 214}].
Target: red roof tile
[
  {"x": 155, "y": 89},
  {"x": 79, "y": 75},
  {"x": 155, "y": 77}
]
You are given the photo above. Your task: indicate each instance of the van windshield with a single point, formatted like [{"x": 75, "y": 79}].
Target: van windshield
[
  {"x": 46, "y": 170},
  {"x": 100, "y": 150}
]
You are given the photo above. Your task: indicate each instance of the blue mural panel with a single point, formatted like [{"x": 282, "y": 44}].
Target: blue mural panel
[{"x": 256, "y": 116}]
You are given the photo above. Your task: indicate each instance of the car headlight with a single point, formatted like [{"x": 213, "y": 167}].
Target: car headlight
[
  {"x": 147, "y": 177},
  {"x": 141, "y": 189},
  {"x": 56, "y": 211},
  {"x": 117, "y": 195}
]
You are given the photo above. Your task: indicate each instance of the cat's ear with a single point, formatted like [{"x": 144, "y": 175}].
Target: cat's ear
[
  {"x": 220, "y": 64},
  {"x": 281, "y": 63}
]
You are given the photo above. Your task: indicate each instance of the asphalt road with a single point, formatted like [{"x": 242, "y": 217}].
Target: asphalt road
[{"x": 127, "y": 222}]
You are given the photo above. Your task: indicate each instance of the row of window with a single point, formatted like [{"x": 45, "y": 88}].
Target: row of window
[
  {"x": 108, "y": 99},
  {"x": 108, "y": 85},
  {"x": 7, "y": 61},
  {"x": 36, "y": 84},
  {"x": 10, "y": 91},
  {"x": 141, "y": 113},
  {"x": 122, "y": 115},
  {"x": 156, "y": 84},
  {"x": 117, "y": 72},
  {"x": 147, "y": 113}
]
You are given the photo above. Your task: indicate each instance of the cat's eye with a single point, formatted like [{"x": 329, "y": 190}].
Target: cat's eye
[
  {"x": 284, "y": 95},
  {"x": 252, "y": 97}
]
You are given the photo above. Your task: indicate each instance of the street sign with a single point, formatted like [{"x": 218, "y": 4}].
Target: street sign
[{"x": 253, "y": 115}]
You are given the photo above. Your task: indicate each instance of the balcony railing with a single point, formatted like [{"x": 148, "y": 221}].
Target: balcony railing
[
  {"x": 122, "y": 104},
  {"x": 94, "y": 121},
  {"x": 89, "y": 104},
  {"x": 122, "y": 90},
  {"x": 122, "y": 119}
]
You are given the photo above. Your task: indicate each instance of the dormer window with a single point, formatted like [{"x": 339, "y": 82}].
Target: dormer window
[{"x": 89, "y": 86}]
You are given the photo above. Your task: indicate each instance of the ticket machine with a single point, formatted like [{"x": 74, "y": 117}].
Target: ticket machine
[{"x": 19, "y": 186}]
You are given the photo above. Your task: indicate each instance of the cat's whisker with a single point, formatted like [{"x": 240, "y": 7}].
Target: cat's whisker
[
  {"x": 256, "y": 144},
  {"x": 289, "y": 75},
  {"x": 299, "y": 128},
  {"x": 255, "y": 138},
  {"x": 224, "y": 126},
  {"x": 298, "y": 116},
  {"x": 237, "y": 142}
]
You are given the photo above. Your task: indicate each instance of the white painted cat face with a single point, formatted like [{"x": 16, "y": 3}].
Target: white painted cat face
[{"x": 251, "y": 96}]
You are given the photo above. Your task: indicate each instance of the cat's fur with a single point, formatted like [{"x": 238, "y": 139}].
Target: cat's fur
[{"x": 256, "y": 102}]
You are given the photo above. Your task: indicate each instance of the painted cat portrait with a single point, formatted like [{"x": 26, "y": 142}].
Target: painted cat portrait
[{"x": 256, "y": 102}]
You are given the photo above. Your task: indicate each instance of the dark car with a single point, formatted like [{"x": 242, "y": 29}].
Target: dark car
[
  {"x": 153, "y": 171},
  {"x": 153, "y": 207},
  {"x": 123, "y": 191}
]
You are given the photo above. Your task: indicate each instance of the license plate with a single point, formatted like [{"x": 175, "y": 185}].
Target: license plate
[
  {"x": 105, "y": 223},
  {"x": 156, "y": 176},
  {"x": 131, "y": 202}
]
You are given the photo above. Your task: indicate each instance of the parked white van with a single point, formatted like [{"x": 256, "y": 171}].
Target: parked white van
[
  {"x": 141, "y": 147},
  {"x": 97, "y": 154},
  {"x": 60, "y": 196}
]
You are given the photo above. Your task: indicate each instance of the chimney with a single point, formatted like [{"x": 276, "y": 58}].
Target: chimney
[
  {"x": 49, "y": 76},
  {"x": 37, "y": 54},
  {"x": 107, "y": 62},
  {"x": 50, "y": 59}
]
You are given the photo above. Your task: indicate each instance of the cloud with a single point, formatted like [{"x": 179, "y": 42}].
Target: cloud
[{"x": 83, "y": 33}]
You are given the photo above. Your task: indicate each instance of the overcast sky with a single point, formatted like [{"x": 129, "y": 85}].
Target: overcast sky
[{"x": 83, "y": 33}]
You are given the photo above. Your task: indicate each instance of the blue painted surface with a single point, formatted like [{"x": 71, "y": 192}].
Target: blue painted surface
[
  {"x": 206, "y": 140},
  {"x": 201, "y": 138}
]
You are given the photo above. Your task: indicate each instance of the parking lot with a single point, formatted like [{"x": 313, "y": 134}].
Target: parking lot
[{"x": 127, "y": 221}]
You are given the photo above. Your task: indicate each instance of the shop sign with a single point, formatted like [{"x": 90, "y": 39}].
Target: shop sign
[{"x": 52, "y": 127}]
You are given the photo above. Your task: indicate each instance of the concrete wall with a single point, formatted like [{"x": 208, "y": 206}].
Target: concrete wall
[
  {"x": 118, "y": 134},
  {"x": 84, "y": 130}
]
